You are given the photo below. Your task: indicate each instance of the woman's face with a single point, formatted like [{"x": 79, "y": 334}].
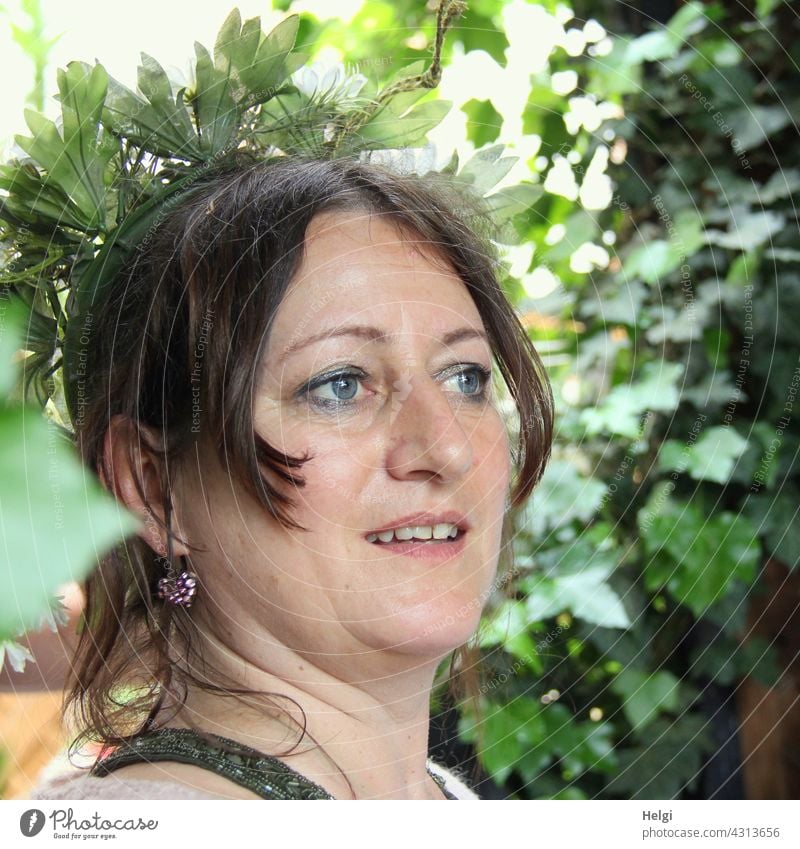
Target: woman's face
[{"x": 375, "y": 365}]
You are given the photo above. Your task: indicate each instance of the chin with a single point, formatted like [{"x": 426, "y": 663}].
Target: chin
[{"x": 429, "y": 630}]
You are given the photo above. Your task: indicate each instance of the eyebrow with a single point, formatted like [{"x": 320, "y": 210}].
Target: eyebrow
[{"x": 375, "y": 334}]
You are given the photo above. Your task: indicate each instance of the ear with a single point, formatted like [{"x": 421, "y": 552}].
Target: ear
[{"x": 123, "y": 441}]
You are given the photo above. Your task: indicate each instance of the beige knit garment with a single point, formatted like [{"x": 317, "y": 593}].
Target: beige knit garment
[{"x": 56, "y": 782}]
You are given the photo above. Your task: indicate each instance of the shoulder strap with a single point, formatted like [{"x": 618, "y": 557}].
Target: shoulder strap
[{"x": 264, "y": 775}]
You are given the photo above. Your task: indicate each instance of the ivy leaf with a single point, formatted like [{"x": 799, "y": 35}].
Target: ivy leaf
[
  {"x": 645, "y": 694},
  {"x": 665, "y": 42},
  {"x": 595, "y": 603},
  {"x": 778, "y": 518},
  {"x": 712, "y": 457},
  {"x": 621, "y": 410},
  {"x": 507, "y": 730},
  {"x": 749, "y": 231},
  {"x": 664, "y": 764},
  {"x": 562, "y": 497},
  {"x": 697, "y": 557},
  {"x": 56, "y": 520},
  {"x": 754, "y": 124},
  {"x": 573, "y": 578},
  {"x": 652, "y": 261},
  {"x": 508, "y": 627}
]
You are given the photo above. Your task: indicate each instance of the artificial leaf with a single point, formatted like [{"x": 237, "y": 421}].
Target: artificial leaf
[
  {"x": 160, "y": 123},
  {"x": 74, "y": 160},
  {"x": 214, "y": 107},
  {"x": 386, "y": 129},
  {"x": 486, "y": 168}
]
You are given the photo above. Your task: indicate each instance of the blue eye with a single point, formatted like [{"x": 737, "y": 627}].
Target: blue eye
[
  {"x": 474, "y": 379},
  {"x": 341, "y": 388}
]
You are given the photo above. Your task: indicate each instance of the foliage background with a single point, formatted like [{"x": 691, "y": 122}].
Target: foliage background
[{"x": 658, "y": 274}]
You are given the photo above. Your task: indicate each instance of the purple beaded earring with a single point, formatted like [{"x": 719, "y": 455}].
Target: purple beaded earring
[{"x": 178, "y": 590}]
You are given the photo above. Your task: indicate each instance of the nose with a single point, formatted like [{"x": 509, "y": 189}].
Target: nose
[{"x": 426, "y": 438}]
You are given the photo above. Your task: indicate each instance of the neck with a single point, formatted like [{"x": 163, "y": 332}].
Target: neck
[{"x": 366, "y": 715}]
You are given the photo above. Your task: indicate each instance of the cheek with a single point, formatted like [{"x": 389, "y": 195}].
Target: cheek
[
  {"x": 336, "y": 476},
  {"x": 492, "y": 453}
]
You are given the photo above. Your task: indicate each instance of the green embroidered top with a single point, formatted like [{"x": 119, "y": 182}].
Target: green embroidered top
[{"x": 266, "y": 776}]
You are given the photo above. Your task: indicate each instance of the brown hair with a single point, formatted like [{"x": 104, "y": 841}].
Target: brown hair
[{"x": 230, "y": 248}]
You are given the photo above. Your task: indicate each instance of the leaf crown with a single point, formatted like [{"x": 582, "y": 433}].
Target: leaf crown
[{"x": 90, "y": 190}]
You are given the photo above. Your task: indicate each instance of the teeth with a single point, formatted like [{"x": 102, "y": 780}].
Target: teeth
[{"x": 443, "y": 530}]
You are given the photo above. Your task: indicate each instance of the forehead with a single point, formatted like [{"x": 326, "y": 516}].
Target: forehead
[{"x": 357, "y": 260}]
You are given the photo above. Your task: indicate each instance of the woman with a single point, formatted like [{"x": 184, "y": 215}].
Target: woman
[{"x": 292, "y": 385}]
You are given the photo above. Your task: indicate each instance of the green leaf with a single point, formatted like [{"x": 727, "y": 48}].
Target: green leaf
[
  {"x": 595, "y": 603},
  {"x": 754, "y": 124},
  {"x": 765, "y": 7},
  {"x": 665, "y": 42},
  {"x": 74, "y": 160},
  {"x": 748, "y": 231},
  {"x": 388, "y": 129},
  {"x": 621, "y": 410},
  {"x": 573, "y": 578},
  {"x": 486, "y": 168},
  {"x": 261, "y": 71},
  {"x": 667, "y": 761},
  {"x": 215, "y": 110},
  {"x": 653, "y": 261},
  {"x": 712, "y": 457},
  {"x": 698, "y": 558},
  {"x": 247, "y": 65},
  {"x": 562, "y": 497},
  {"x": 483, "y": 121},
  {"x": 513, "y": 200},
  {"x": 645, "y": 694},
  {"x": 56, "y": 520},
  {"x": 508, "y": 729},
  {"x": 160, "y": 122},
  {"x": 11, "y": 335},
  {"x": 777, "y": 516}
]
